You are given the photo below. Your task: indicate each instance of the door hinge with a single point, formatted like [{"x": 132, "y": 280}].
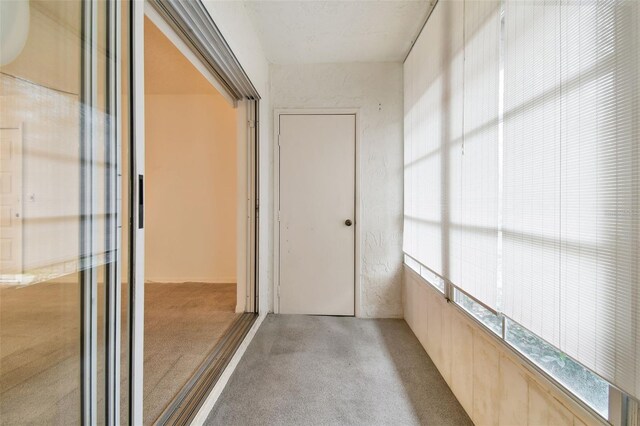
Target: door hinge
[
  {"x": 278, "y": 215},
  {"x": 252, "y": 123}
]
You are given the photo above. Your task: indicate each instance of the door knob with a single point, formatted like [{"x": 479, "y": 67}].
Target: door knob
[{"x": 348, "y": 222}]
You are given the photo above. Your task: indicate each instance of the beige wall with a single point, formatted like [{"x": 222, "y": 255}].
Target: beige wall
[
  {"x": 191, "y": 170},
  {"x": 494, "y": 385},
  {"x": 190, "y": 188}
]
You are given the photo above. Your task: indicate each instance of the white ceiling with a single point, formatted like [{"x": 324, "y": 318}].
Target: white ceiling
[{"x": 310, "y": 31}]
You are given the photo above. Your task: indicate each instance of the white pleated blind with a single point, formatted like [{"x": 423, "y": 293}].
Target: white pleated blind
[
  {"x": 531, "y": 172},
  {"x": 451, "y": 146},
  {"x": 433, "y": 134},
  {"x": 538, "y": 218},
  {"x": 474, "y": 222},
  {"x": 571, "y": 168},
  {"x": 409, "y": 235}
]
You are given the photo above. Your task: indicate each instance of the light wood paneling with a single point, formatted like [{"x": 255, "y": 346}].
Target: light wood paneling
[{"x": 494, "y": 385}]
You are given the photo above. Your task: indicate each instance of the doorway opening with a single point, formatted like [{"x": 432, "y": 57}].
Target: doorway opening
[{"x": 196, "y": 250}]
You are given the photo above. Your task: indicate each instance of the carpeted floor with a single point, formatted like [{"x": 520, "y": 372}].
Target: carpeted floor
[
  {"x": 310, "y": 370},
  {"x": 182, "y": 324}
]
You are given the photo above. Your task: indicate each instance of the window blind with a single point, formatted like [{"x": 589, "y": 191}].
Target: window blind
[
  {"x": 433, "y": 129},
  {"x": 537, "y": 215},
  {"x": 474, "y": 227},
  {"x": 571, "y": 157},
  {"x": 409, "y": 234},
  {"x": 451, "y": 146},
  {"x": 531, "y": 171}
]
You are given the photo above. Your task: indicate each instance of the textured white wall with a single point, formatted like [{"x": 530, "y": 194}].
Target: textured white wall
[
  {"x": 232, "y": 19},
  {"x": 376, "y": 89}
]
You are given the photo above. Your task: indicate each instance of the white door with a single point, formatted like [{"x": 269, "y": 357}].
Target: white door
[
  {"x": 317, "y": 214},
  {"x": 10, "y": 204}
]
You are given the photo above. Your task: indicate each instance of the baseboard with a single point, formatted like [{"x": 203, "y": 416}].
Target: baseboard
[
  {"x": 179, "y": 280},
  {"x": 215, "y": 393}
]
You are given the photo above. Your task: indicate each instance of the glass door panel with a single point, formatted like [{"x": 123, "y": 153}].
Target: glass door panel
[
  {"x": 40, "y": 304},
  {"x": 59, "y": 212}
]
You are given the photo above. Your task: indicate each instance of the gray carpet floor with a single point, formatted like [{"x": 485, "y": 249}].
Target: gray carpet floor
[{"x": 311, "y": 370}]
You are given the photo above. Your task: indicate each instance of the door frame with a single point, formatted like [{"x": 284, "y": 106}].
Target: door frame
[
  {"x": 136, "y": 211},
  {"x": 140, "y": 9},
  {"x": 247, "y": 135},
  {"x": 357, "y": 279}
]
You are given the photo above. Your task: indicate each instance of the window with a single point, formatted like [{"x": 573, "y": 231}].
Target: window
[
  {"x": 432, "y": 278},
  {"x": 522, "y": 178},
  {"x": 412, "y": 263},
  {"x": 587, "y": 386},
  {"x": 571, "y": 174},
  {"x": 491, "y": 320}
]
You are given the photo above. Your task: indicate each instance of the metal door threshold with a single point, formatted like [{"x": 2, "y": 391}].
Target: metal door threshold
[{"x": 185, "y": 405}]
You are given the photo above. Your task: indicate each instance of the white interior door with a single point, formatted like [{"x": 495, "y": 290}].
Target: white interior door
[
  {"x": 11, "y": 204},
  {"x": 317, "y": 214}
]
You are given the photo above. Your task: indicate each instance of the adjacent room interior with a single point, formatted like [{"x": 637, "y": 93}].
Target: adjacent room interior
[{"x": 190, "y": 221}]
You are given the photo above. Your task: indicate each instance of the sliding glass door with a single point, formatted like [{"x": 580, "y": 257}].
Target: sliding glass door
[{"x": 60, "y": 229}]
